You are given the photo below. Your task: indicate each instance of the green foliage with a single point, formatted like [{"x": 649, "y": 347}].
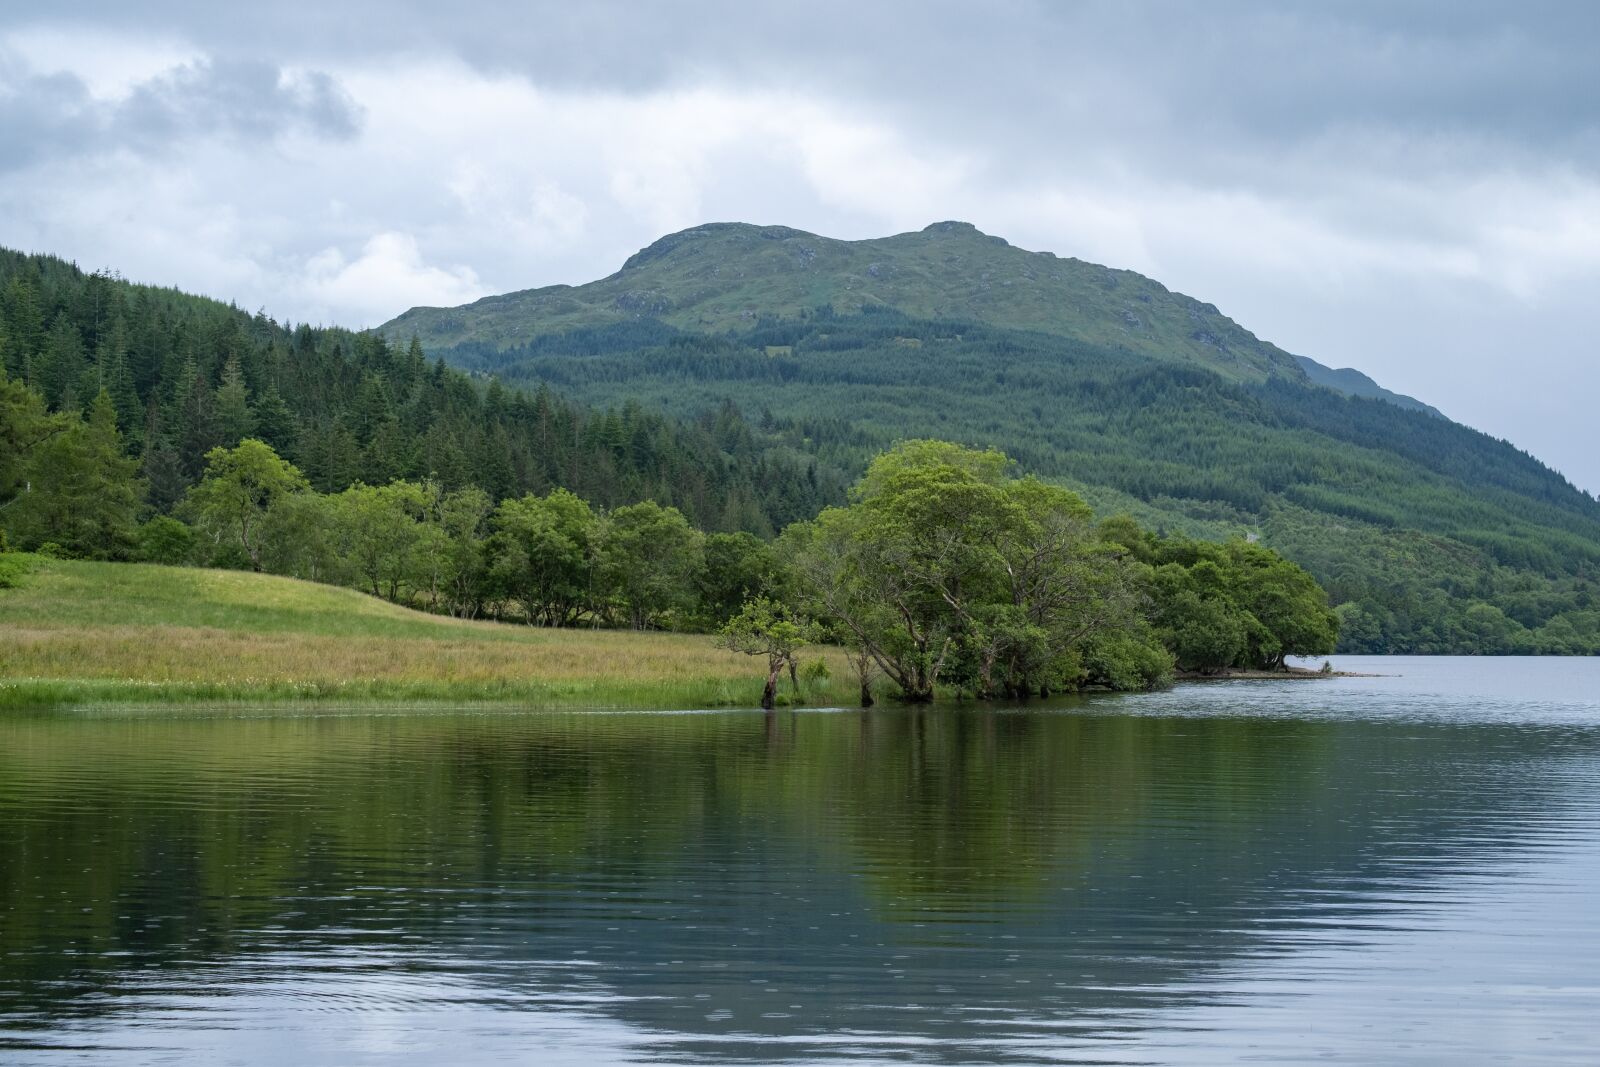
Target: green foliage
[
  {"x": 543, "y": 555},
  {"x": 1181, "y": 419},
  {"x": 1197, "y": 623},
  {"x": 25, "y": 426},
  {"x": 188, "y": 374},
  {"x": 738, "y": 567},
  {"x": 1236, "y": 605},
  {"x": 1411, "y": 515},
  {"x": 649, "y": 558},
  {"x": 945, "y": 571},
  {"x": 378, "y": 531},
  {"x": 164, "y": 539},
  {"x": 12, "y": 569},
  {"x": 80, "y": 489},
  {"x": 240, "y": 485},
  {"x": 763, "y": 627}
]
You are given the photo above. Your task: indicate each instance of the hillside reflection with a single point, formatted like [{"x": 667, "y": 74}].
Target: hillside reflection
[{"x": 973, "y": 878}]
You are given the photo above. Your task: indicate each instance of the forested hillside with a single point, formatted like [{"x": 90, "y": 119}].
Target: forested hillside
[
  {"x": 1430, "y": 536},
  {"x": 186, "y": 374}
]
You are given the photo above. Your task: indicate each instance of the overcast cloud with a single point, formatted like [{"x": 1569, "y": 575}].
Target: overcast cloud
[{"x": 1409, "y": 189}]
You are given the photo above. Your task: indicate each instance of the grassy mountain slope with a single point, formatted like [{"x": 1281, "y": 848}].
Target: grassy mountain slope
[
  {"x": 1435, "y": 537},
  {"x": 725, "y": 276}
]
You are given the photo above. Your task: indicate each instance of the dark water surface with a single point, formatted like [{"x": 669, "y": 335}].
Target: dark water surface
[{"x": 1369, "y": 870}]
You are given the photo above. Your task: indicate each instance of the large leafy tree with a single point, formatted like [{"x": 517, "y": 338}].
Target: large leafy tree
[
  {"x": 945, "y": 570},
  {"x": 1291, "y": 608},
  {"x": 543, "y": 554},
  {"x": 649, "y": 557},
  {"x": 1199, "y": 624},
  {"x": 739, "y": 567},
  {"x": 240, "y": 485},
  {"x": 378, "y": 528}
]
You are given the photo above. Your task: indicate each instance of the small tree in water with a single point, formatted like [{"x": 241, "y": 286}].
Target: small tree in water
[{"x": 765, "y": 628}]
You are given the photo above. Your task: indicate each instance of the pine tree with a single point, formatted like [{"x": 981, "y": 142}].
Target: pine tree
[
  {"x": 162, "y": 469},
  {"x": 372, "y": 409},
  {"x": 274, "y": 422},
  {"x": 117, "y": 378},
  {"x": 24, "y": 323},
  {"x": 195, "y": 429},
  {"x": 416, "y": 364},
  {"x": 85, "y": 490},
  {"x": 235, "y": 420},
  {"x": 58, "y": 369}
]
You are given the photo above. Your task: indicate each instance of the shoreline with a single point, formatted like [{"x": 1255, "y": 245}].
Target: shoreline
[
  {"x": 91, "y": 634},
  {"x": 1237, "y": 675}
]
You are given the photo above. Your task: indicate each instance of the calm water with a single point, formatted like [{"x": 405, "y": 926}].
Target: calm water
[{"x": 1372, "y": 870}]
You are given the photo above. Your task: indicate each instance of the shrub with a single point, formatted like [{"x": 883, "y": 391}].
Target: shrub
[
  {"x": 166, "y": 540},
  {"x": 12, "y": 568}
]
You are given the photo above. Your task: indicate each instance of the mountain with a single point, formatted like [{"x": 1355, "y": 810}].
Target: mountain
[
  {"x": 1352, "y": 382},
  {"x": 725, "y": 276},
  {"x": 1432, "y": 537}
]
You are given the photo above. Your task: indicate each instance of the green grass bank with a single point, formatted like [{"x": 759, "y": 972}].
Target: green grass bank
[{"x": 76, "y": 632}]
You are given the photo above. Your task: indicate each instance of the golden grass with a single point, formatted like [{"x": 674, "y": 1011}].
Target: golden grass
[{"x": 96, "y": 631}]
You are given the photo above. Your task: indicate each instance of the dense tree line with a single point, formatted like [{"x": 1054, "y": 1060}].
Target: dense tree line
[
  {"x": 943, "y": 573},
  {"x": 1348, "y": 487}
]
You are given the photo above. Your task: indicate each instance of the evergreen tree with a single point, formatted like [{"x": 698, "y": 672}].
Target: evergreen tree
[
  {"x": 234, "y": 418},
  {"x": 24, "y": 318},
  {"x": 274, "y": 421},
  {"x": 196, "y": 430},
  {"x": 60, "y": 365},
  {"x": 118, "y": 381},
  {"x": 84, "y": 491},
  {"x": 161, "y": 465},
  {"x": 25, "y": 425}
]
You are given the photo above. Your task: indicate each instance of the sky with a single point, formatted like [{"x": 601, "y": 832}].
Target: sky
[{"x": 1410, "y": 189}]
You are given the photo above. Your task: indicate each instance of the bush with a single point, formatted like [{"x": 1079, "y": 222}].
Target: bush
[
  {"x": 12, "y": 568},
  {"x": 166, "y": 540}
]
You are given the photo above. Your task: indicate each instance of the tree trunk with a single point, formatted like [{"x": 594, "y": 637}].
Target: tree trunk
[
  {"x": 794, "y": 678},
  {"x": 866, "y": 693},
  {"x": 769, "y": 695}
]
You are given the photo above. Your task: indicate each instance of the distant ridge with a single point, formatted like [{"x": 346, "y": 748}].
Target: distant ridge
[{"x": 1352, "y": 382}]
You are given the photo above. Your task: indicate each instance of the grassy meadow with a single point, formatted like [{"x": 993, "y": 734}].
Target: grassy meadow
[{"x": 79, "y": 633}]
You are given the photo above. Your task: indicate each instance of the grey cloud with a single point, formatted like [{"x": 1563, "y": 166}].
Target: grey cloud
[
  {"x": 1269, "y": 71},
  {"x": 240, "y": 98},
  {"x": 54, "y": 114}
]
